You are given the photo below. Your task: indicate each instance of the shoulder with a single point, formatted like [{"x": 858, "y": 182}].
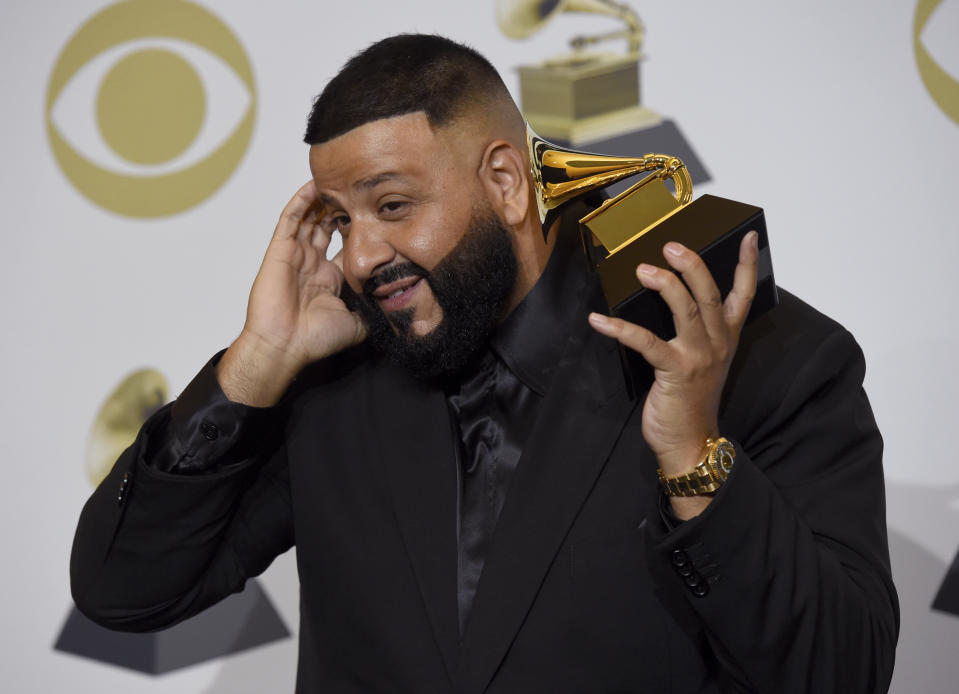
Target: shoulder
[
  {"x": 789, "y": 331},
  {"x": 787, "y": 338},
  {"x": 786, "y": 357}
]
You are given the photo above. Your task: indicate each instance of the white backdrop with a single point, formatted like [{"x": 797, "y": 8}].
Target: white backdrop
[{"x": 813, "y": 110}]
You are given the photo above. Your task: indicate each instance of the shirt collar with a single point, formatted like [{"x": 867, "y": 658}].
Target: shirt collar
[{"x": 532, "y": 338}]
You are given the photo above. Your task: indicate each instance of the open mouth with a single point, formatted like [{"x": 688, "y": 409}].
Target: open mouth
[{"x": 395, "y": 296}]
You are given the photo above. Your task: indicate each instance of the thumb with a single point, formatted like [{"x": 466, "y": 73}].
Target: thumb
[{"x": 361, "y": 331}]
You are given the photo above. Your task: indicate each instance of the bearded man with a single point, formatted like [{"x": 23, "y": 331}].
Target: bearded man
[{"x": 438, "y": 418}]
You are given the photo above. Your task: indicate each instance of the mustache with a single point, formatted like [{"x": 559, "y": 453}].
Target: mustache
[{"x": 391, "y": 273}]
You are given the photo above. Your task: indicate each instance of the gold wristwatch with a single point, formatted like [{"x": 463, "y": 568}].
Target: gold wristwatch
[{"x": 719, "y": 455}]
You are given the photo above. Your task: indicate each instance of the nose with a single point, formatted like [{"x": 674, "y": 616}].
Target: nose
[{"x": 365, "y": 249}]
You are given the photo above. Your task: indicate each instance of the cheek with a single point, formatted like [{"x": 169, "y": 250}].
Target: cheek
[
  {"x": 349, "y": 272},
  {"x": 445, "y": 217},
  {"x": 430, "y": 245},
  {"x": 437, "y": 234}
]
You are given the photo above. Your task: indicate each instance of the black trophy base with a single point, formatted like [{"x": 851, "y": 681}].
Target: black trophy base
[
  {"x": 242, "y": 621},
  {"x": 713, "y": 227}
]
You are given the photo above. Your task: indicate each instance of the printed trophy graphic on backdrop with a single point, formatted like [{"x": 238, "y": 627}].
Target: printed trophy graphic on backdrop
[
  {"x": 947, "y": 597},
  {"x": 242, "y": 621},
  {"x": 564, "y": 98},
  {"x": 591, "y": 99}
]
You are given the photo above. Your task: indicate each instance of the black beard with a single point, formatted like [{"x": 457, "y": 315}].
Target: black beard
[{"x": 472, "y": 286}]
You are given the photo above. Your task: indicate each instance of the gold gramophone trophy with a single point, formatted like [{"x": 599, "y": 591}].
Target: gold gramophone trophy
[
  {"x": 633, "y": 226},
  {"x": 584, "y": 95},
  {"x": 587, "y": 96}
]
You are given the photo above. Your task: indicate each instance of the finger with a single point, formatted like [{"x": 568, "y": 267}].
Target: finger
[
  {"x": 361, "y": 333},
  {"x": 740, "y": 298},
  {"x": 686, "y": 313},
  {"x": 311, "y": 223},
  {"x": 315, "y": 213},
  {"x": 658, "y": 353},
  {"x": 305, "y": 230},
  {"x": 702, "y": 285},
  {"x": 338, "y": 260},
  {"x": 320, "y": 239},
  {"x": 291, "y": 216}
]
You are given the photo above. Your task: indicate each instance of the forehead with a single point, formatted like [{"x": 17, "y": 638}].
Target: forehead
[{"x": 401, "y": 147}]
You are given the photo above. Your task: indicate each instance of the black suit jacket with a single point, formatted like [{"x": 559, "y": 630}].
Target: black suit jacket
[{"x": 781, "y": 585}]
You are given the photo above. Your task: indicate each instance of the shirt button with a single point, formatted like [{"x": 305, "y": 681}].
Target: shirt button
[
  {"x": 679, "y": 558},
  {"x": 209, "y": 431},
  {"x": 701, "y": 589},
  {"x": 693, "y": 580}
]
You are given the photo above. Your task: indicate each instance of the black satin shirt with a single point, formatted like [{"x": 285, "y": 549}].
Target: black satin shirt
[{"x": 495, "y": 404}]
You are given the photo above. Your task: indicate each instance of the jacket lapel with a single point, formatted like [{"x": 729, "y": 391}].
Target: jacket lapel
[
  {"x": 579, "y": 423},
  {"x": 416, "y": 449}
]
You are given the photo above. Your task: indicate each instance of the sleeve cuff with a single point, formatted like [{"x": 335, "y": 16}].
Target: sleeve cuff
[{"x": 206, "y": 432}]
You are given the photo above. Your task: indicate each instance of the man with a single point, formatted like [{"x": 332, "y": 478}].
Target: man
[{"x": 437, "y": 418}]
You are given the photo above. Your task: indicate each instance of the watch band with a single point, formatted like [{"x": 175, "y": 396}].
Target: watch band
[{"x": 708, "y": 476}]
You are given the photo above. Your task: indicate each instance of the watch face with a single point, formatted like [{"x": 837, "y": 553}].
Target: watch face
[{"x": 725, "y": 457}]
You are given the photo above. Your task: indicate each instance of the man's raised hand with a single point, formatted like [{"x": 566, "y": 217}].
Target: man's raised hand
[
  {"x": 295, "y": 315},
  {"x": 682, "y": 407}
]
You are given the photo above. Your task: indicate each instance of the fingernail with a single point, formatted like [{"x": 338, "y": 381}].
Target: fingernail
[
  {"x": 753, "y": 240},
  {"x": 598, "y": 319},
  {"x": 648, "y": 270},
  {"x": 674, "y": 249}
]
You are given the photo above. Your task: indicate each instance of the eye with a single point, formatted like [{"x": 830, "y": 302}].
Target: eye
[
  {"x": 394, "y": 208},
  {"x": 149, "y": 123},
  {"x": 338, "y": 221}
]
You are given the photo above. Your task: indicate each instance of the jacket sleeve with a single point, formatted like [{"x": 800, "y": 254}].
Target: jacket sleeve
[
  {"x": 199, "y": 503},
  {"x": 787, "y": 571}
]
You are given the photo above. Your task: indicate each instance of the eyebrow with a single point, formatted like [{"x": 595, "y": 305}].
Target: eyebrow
[
  {"x": 365, "y": 184},
  {"x": 373, "y": 181}
]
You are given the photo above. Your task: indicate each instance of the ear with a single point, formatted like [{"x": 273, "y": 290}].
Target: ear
[{"x": 504, "y": 174}]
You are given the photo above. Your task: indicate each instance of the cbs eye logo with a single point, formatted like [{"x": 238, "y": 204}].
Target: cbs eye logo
[
  {"x": 150, "y": 107},
  {"x": 942, "y": 86}
]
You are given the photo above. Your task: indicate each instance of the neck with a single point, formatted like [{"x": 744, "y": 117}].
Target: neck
[{"x": 532, "y": 254}]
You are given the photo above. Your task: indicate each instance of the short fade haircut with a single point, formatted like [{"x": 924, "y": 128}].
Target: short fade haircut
[{"x": 404, "y": 74}]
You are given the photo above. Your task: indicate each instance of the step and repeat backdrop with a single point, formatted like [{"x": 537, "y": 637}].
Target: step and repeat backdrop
[{"x": 149, "y": 145}]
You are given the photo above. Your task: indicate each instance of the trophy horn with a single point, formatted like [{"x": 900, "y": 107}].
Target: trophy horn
[
  {"x": 520, "y": 19},
  {"x": 561, "y": 174},
  {"x": 120, "y": 417}
]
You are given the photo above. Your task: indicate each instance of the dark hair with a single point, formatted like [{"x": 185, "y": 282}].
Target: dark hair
[{"x": 399, "y": 75}]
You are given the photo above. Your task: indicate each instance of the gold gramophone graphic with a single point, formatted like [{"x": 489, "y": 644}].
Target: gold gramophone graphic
[
  {"x": 241, "y": 621},
  {"x": 587, "y": 98},
  {"x": 583, "y": 95},
  {"x": 131, "y": 403},
  {"x": 633, "y": 226}
]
